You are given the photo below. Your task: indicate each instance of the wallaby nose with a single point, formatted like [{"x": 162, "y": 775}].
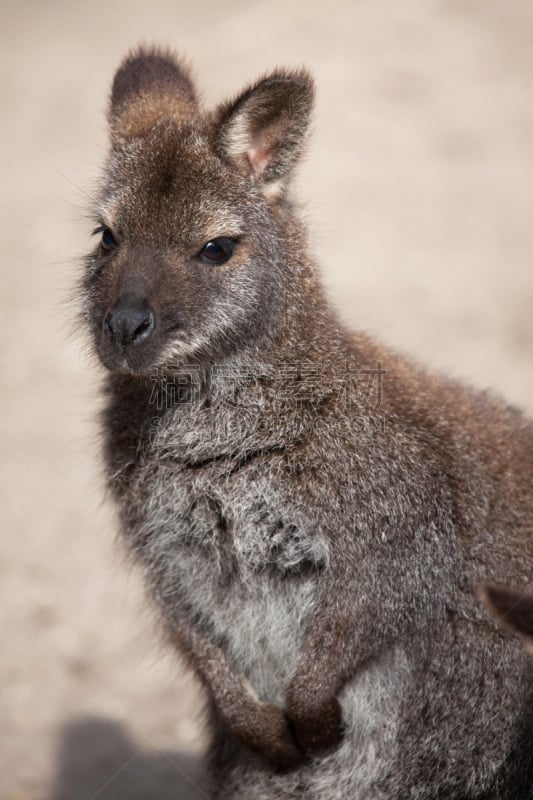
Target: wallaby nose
[{"x": 130, "y": 322}]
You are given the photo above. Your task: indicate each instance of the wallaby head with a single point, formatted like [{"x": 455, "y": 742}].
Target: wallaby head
[{"x": 194, "y": 226}]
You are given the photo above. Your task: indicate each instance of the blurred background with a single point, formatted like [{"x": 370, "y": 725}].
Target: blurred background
[{"x": 418, "y": 192}]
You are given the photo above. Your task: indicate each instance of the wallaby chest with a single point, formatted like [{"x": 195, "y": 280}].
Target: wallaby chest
[{"x": 213, "y": 516}]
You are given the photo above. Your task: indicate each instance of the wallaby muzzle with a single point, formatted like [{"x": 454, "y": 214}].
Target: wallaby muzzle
[{"x": 130, "y": 322}]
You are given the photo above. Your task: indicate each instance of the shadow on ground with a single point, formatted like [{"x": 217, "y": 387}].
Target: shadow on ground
[{"x": 98, "y": 760}]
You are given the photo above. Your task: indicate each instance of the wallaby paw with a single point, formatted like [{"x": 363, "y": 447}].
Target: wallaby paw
[
  {"x": 272, "y": 737},
  {"x": 320, "y": 730}
]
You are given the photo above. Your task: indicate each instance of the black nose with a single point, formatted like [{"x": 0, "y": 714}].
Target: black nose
[{"x": 130, "y": 322}]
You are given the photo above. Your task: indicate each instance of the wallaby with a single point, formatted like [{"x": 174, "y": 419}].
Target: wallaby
[
  {"x": 514, "y": 609},
  {"x": 311, "y": 511}
]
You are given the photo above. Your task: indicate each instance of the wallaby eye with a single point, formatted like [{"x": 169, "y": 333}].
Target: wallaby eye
[
  {"x": 217, "y": 251},
  {"x": 108, "y": 241}
]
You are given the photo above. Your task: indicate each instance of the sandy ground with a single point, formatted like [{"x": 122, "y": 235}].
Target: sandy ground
[{"x": 418, "y": 190}]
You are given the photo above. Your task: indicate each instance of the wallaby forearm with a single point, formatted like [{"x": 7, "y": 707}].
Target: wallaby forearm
[{"x": 261, "y": 726}]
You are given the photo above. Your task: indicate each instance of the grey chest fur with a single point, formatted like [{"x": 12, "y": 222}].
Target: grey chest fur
[{"x": 224, "y": 543}]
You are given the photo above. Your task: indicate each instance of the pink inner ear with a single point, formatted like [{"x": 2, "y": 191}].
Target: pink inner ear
[{"x": 259, "y": 156}]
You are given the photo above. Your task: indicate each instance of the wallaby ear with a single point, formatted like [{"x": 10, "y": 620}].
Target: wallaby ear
[
  {"x": 512, "y": 607},
  {"x": 263, "y": 131},
  {"x": 149, "y": 85}
]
